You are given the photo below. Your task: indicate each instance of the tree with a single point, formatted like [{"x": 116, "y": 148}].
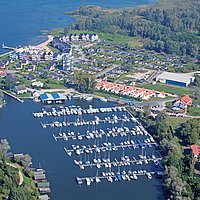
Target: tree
[
  {"x": 26, "y": 161},
  {"x": 161, "y": 125},
  {"x": 197, "y": 80},
  {"x": 196, "y": 93},
  {"x": 4, "y": 147},
  {"x": 85, "y": 82}
]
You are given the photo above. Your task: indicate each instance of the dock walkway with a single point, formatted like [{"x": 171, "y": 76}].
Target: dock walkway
[{"x": 13, "y": 96}]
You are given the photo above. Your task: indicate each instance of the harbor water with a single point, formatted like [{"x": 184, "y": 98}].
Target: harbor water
[
  {"x": 26, "y": 135},
  {"x": 22, "y": 21}
]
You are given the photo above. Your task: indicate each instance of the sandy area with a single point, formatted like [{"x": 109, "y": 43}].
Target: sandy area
[
  {"x": 139, "y": 75},
  {"x": 43, "y": 45}
]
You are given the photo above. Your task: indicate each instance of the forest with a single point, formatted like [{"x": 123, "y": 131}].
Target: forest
[
  {"x": 170, "y": 26},
  {"x": 10, "y": 186},
  {"x": 180, "y": 180}
]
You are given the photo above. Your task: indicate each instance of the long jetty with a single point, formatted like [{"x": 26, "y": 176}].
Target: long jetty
[
  {"x": 7, "y": 47},
  {"x": 117, "y": 163},
  {"x": 112, "y": 147},
  {"x": 13, "y": 96}
]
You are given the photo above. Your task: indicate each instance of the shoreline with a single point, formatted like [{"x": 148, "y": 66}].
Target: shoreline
[
  {"x": 107, "y": 9},
  {"x": 42, "y": 45}
]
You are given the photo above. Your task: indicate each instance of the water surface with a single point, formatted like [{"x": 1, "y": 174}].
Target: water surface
[
  {"x": 21, "y": 21},
  {"x": 25, "y": 134}
]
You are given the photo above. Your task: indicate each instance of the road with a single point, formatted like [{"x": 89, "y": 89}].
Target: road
[
  {"x": 16, "y": 166},
  {"x": 159, "y": 103}
]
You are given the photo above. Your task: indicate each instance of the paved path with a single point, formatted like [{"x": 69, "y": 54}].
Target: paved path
[
  {"x": 160, "y": 103},
  {"x": 16, "y": 166}
]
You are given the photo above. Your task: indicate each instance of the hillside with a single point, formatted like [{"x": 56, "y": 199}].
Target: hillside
[
  {"x": 172, "y": 26},
  {"x": 16, "y": 182}
]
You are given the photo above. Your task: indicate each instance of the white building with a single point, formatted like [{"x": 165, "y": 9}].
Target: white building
[
  {"x": 20, "y": 89},
  {"x": 37, "y": 84},
  {"x": 179, "y": 79}
]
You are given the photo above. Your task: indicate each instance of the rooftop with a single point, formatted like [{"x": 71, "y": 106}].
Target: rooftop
[
  {"x": 195, "y": 149},
  {"x": 180, "y": 77}
]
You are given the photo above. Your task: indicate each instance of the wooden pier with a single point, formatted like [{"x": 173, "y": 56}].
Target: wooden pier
[
  {"x": 117, "y": 163},
  {"x": 104, "y": 148}
]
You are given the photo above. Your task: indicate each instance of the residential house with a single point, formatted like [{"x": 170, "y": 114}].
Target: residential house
[
  {"x": 48, "y": 56},
  {"x": 14, "y": 56},
  {"x": 146, "y": 96},
  {"x": 38, "y": 84},
  {"x": 31, "y": 68},
  {"x": 24, "y": 62},
  {"x": 18, "y": 66},
  {"x": 30, "y": 77},
  {"x": 2, "y": 73},
  {"x": 57, "y": 57},
  {"x": 20, "y": 89},
  {"x": 162, "y": 94},
  {"x": 2, "y": 65},
  {"x": 183, "y": 102},
  {"x": 93, "y": 37},
  {"x": 13, "y": 78},
  {"x": 51, "y": 66}
]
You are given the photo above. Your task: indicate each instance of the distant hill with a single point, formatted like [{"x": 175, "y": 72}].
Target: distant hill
[{"x": 172, "y": 26}]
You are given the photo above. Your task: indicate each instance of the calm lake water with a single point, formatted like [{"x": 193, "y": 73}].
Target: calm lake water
[
  {"x": 26, "y": 135},
  {"x": 21, "y": 21}
]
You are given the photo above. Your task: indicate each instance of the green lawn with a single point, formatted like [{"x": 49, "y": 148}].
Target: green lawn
[
  {"x": 119, "y": 39},
  {"x": 194, "y": 111},
  {"x": 55, "y": 86},
  {"x": 157, "y": 98},
  {"x": 176, "y": 121},
  {"x": 2, "y": 57},
  {"x": 167, "y": 88},
  {"x": 1, "y": 102},
  {"x": 115, "y": 39},
  {"x": 25, "y": 95}
]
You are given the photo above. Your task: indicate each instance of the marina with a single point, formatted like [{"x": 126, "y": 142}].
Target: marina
[
  {"x": 112, "y": 177},
  {"x": 114, "y": 132},
  {"x": 100, "y": 168},
  {"x": 108, "y": 141},
  {"x": 76, "y": 110}
]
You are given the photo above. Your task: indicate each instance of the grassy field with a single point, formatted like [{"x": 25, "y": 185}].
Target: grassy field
[
  {"x": 114, "y": 38},
  {"x": 55, "y": 86},
  {"x": 194, "y": 111},
  {"x": 2, "y": 57},
  {"x": 176, "y": 121},
  {"x": 118, "y": 39},
  {"x": 25, "y": 95},
  {"x": 167, "y": 88}
]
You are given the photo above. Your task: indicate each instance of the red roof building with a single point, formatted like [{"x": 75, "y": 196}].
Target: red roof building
[
  {"x": 186, "y": 100},
  {"x": 2, "y": 74},
  {"x": 195, "y": 150}
]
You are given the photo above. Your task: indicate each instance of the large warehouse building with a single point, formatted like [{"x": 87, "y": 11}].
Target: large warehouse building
[{"x": 183, "y": 80}]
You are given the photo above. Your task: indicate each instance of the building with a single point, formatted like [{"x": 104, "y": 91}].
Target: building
[
  {"x": 2, "y": 73},
  {"x": 20, "y": 89},
  {"x": 38, "y": 84},
  {"x": 52, "y": 98},
  {"x": 195, "y": 150},
  {"x": 162, "y": 94},
  {"x": 44, "y": 197},
  {"x": 183, "y": 80},
  {"x": 183, "y": 102}
]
